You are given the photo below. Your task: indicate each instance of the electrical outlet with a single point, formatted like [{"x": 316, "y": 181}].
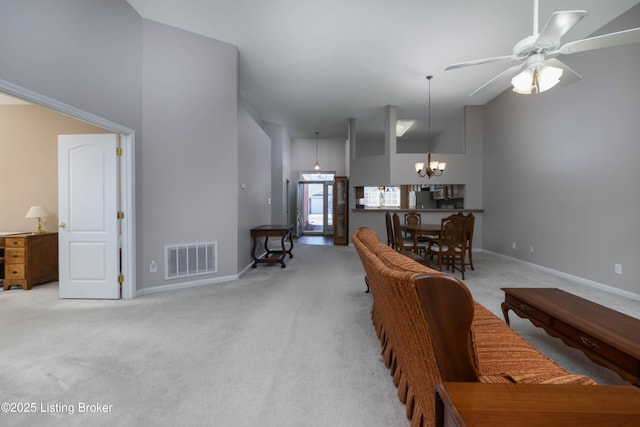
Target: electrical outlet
[
  {"x": 153, "y": 266},
  {"x": 531, "y": 248},
  {"x": 513, "y": 245},
  {"x": 618, "y": 269}
]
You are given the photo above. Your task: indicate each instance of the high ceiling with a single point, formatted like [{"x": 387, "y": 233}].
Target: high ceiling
[{"x": 311, "y": 65}]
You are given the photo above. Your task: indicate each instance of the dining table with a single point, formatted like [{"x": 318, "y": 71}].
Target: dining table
[{"x": 421, "y": 230}]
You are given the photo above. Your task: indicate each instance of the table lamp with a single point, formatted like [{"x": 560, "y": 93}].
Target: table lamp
[{"x": 38, "y": 212}]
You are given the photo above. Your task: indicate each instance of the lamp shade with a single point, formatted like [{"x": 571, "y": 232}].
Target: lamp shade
[
  {"x": 549, "y": 77},
  {"x": 523, "y": 82},
  {"x": 37, "y": 212}
]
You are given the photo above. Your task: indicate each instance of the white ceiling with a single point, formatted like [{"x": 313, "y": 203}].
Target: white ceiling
[{"x": 311, "y": 65}]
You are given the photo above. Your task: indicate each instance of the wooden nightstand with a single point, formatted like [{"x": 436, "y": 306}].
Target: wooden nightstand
[{"x": 30, "y": 259}]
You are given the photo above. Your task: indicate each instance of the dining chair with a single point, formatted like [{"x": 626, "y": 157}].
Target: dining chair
[
  {"x": 451, "y": 246},
  {"x": 406, "y": 244},
  {"x": 469, "y": 225},
  {"x": 412, "y": 217},
  {"x": 391, "y": 240}
]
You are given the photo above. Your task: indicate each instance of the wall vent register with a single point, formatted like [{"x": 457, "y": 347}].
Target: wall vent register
[{"x": 190, "y": 259}]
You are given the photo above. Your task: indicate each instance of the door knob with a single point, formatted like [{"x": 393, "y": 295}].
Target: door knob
[{"x": 62, "y": 225}]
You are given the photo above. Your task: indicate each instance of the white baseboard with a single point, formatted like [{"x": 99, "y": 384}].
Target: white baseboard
[
  {"x": 580, "y": 280},
  {"x": 186, "y": 285},
  {"x": 192, "y": 283}
]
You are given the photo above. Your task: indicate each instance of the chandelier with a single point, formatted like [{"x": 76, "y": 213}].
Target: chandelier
[{"x": 433, "y": 168}]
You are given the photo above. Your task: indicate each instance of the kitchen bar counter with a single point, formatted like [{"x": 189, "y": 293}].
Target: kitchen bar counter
[{"x": 399, "y": 210}]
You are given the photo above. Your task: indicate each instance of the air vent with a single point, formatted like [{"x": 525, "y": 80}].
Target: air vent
[{"x": 190, "y": 259}]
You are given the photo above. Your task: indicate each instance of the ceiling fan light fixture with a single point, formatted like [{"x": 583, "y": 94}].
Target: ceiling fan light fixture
[
  {"x": 536, "y": 79},
  {"x": 402, "y": 126}
]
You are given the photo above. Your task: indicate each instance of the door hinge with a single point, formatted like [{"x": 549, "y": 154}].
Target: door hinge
[
  {"x": 120, "y": 215},
  {"x": 121, "y": 278},
  {"x": 119, "y": 151}
]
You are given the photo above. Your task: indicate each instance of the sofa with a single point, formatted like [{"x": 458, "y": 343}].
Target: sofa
[{"x": 431, "y": 330}]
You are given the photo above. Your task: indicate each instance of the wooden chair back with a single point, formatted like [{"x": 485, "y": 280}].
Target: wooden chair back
[
  {"x": 448, "y": 309},
  {"x": 453, "y": 234},
  {"x": 401, "y": 244},
  {"x": 391, "y": 240},
  {"x": 412, "y": 217},
  {"x": 452, "y": 244},
  {"x": 469, "y": 225}
]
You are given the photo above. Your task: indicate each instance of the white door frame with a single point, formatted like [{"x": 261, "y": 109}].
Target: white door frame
[{"x": 127, "y": 169}]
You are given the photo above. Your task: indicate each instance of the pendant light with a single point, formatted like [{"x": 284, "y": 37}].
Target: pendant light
[
  {"x": 433, "y": 168},
  {"x": 317, "y": 165}
]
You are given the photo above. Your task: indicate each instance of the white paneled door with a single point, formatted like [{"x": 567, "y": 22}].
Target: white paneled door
[{"x": 87, "y": 216}]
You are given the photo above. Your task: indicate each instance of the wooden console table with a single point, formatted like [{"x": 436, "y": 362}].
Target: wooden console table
[
  {"x": 30, "y": 259},
  {"x": 543, "y": 405},
  {"x": 266, "y": 231},
  {"x": 607, "y": 337}
]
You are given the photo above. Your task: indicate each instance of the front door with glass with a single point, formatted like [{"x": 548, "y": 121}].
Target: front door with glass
[{"x": 315, "y": 203}]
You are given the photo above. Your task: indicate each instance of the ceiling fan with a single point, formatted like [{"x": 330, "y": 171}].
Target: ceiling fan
[{"x": 538, "y": 69}]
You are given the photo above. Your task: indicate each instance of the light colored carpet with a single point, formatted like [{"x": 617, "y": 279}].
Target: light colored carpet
[{"x": 279, "y": 347}]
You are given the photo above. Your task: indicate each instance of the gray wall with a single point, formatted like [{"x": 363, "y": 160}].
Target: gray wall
[
  {"x": 331, "y": 155},
  {"x": 254, "y": 151},
  {"x": 280, "y": 172},
  {"x": 190, "y": 146},
  {"x": 99, "y": 56},
  {"x": 84, "y": 54},
  {"x": 561, "y": 170}
]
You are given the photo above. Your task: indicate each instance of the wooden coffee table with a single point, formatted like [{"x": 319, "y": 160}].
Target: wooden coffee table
[
  {"x": 607, "y": 337},
  {"x": 543, "y": 405}
]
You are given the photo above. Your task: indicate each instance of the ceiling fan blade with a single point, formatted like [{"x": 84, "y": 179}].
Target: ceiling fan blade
[
  {"x": 501, "y": 78},
  {"x": 568, "y": 75},
  {"x": 557, "y": 25},
  {"x": 607, "y": 40},
  {"x": 505, "y": 58}
]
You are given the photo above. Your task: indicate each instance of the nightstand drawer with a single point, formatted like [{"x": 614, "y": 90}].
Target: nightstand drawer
[
  {"x": 14, "y": 271},
  {"x": 14, "y": 242},
  {"x": 14, "y": 256}
]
